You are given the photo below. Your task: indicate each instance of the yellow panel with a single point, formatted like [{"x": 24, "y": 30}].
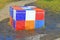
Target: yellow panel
[{"x": 29, "y": 25}]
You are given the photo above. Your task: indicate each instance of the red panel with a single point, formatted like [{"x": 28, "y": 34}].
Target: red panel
[
  {"x": 20, "y": 25},
  {"x": 17, "y": 8},
  {"x": 39, "y": 10},
  {"x": 11, "y": 21},
  {"x": 40, "y": 16}
]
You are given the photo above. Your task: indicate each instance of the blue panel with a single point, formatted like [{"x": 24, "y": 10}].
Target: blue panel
[
  {"x": 14, "y": 23},
  {"x": 11, "y": 11},
  {"x": 20, "y": 10},
  {"x": 20, "y": 16},
  {"x": 39, "y": 23}
]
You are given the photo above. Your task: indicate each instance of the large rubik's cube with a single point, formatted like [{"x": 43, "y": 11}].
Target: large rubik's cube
[{"x": 26, "y": 17}]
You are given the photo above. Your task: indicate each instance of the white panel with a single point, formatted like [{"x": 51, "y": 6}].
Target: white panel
[
  {"x": 30, "y": 14},
  {"x": 32, "y": 6},
  {"x": 14, "y": 14},
  {"x": 26, "y": 8}
]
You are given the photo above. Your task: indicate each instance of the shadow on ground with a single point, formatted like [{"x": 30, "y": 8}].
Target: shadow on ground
[
  {"x": 53, "y": 32},
  {"x": 6, "y": 32}
]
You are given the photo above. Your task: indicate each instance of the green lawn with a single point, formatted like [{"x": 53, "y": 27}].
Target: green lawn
[{"x": 51, "y": 5}]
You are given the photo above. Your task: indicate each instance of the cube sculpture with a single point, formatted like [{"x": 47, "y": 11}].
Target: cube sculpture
[{"x": 26, "y": 17}]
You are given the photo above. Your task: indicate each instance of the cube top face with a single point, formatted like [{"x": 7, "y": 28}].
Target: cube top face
[
  {"x": 17, "y": 8},
  {"x": 22, "y": 8},
  {"x": 26, "y": 8}
]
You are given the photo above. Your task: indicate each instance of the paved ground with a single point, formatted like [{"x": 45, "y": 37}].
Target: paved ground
[{"x": 6, "y": 32}]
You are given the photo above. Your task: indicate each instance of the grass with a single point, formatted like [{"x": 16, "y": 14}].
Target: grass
[
  {"x": 4, "y": 2},
  {"x": 52, "y": 5}
]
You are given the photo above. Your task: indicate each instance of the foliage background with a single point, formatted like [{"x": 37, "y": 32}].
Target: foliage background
[{"x": 50, "y": 5}]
